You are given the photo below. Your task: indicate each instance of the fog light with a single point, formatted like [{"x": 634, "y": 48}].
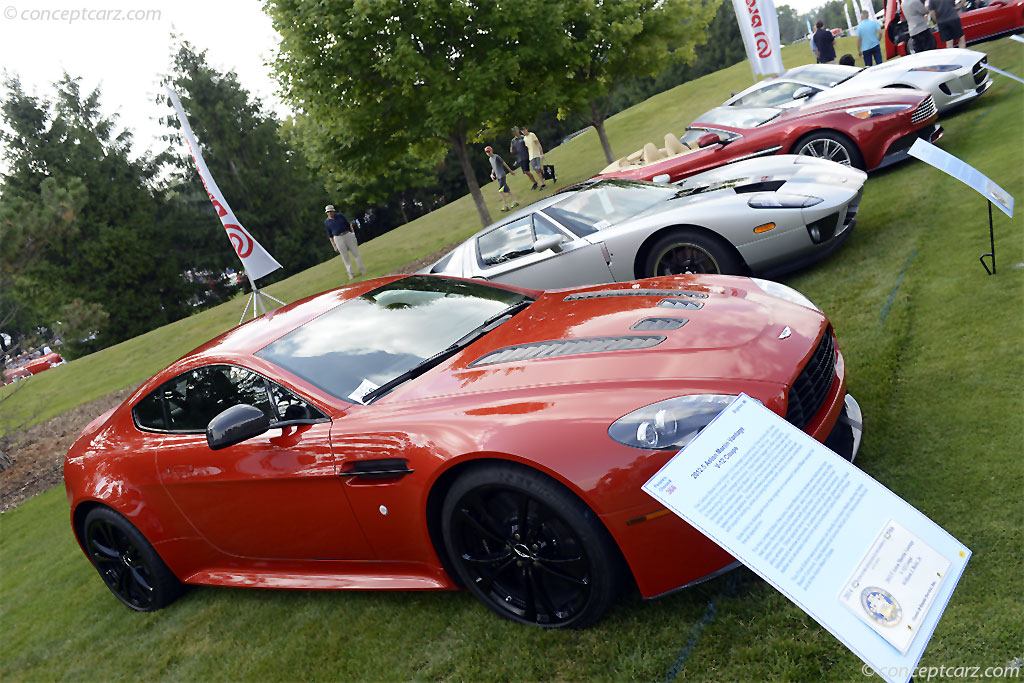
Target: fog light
[{"x": 815, "y": 234}]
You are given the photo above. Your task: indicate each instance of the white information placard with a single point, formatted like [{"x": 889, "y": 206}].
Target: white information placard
[
  {"x": 964, "y": 172},
  {"x": 813, "y": 525}
]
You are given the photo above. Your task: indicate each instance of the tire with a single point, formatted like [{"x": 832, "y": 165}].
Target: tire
[
  {"x": 127, "y": 563},
  {"x": 831, "y": 146},
  {"x": 688, "y": 251},
  {"x": 529, "y": 549}
]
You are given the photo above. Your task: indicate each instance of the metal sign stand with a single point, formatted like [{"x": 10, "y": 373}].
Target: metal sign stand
[
  {"x": 992, "y": 245},
  {"x": 259, "y": 306}
]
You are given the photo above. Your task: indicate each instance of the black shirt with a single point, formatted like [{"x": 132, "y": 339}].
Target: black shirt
[{"x": 823, "y": 40}]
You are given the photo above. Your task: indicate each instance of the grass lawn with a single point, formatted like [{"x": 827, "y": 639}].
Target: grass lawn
[{"x": 933, "y": 354}]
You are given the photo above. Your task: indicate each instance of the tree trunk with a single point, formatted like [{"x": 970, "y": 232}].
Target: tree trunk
[
  {"x": 458, "y": 142},
  {"x": 597, "y": 120}
]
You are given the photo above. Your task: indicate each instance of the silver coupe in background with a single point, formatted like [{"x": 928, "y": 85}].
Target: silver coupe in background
[
  {"x": 761, "y": 216},
  {"x": 952, "y": 77}
]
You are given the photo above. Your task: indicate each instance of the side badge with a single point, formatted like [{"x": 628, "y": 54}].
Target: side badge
[{"x": 786, "y": 332}]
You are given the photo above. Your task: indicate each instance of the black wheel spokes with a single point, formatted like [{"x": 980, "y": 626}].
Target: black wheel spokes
[
  {"x": 475, "y": 512},
  {"x": 685, "y": 259},
  {"x": 486, "y": 582},
  {"x": 523, "y": 518},
  {"x": 116, "y": 558}
]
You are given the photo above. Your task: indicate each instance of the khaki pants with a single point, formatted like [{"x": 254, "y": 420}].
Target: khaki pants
[{"x": 346, "y": 244}]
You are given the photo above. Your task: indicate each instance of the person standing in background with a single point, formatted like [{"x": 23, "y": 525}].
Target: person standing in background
[
  {"x": 947, "y": 18},
  {"x": 869, "y": 32},
  {"x": 536, "y": 153},
  {"x": 824, "y": 41},
  {"x": 343, "y": 239},
  {"x": 521, "y": 157},
  {"x": 917, "y": 25}
]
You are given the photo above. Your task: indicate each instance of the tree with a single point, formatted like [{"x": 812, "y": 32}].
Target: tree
[
  {"x": 117, "y": 257},
  {"x": 384, "y": 79},
  {"x": 267, "y": 182},
  {"x": 611, "y": 42}
]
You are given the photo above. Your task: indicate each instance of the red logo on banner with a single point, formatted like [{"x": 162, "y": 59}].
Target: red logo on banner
[
  {"x": 240, "y": 240},
  {"x": 764, "y": 46}
]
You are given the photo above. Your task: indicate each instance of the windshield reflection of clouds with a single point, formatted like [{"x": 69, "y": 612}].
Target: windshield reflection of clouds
[
  {"x": 605, "y": 203},
  {"x": 380, "y": 335}
]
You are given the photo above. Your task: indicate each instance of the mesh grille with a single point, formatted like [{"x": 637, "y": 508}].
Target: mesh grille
[
  {"x": 567, "y": 347},
  {"x": 605, "y": 293},
  {"x": 812, "y": 385},
  {"x": 648, "y": 324},
  {"x": 924, "y": 110}
]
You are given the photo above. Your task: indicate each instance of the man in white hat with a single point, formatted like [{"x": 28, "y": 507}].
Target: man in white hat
[{"x": 343, "y": 239}]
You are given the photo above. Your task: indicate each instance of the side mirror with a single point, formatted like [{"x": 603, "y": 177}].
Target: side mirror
[
  {"x": 803, "y": 92},
  {"x": 235, "y": 425},
  {"x": 552, "y": 242},
  {"x": 708, "y": 139}
]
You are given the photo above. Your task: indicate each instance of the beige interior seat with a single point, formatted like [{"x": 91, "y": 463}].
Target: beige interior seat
[
  {"x": 674, "y": 146},
  {"x": 652, "y": 154}
]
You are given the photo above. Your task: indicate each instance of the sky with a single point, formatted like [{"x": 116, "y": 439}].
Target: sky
[{"x": 124, "y": 47}]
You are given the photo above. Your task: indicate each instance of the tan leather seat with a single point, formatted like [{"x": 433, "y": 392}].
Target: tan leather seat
[
  {"x": 651, "y": 154},
  {"x": 674, "y": 146}
]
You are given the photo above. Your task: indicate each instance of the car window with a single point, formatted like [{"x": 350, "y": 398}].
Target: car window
[
  {"x": 771, "y": 95},
  {"x": 291, "y": 407},
  {"x": 510, "y": 241},
  {"x": 606, "y": 203}
]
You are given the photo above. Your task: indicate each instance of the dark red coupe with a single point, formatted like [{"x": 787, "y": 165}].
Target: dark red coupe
[
  {"x": 868, "y": 130},
  {"x": 426, "y": 433}
]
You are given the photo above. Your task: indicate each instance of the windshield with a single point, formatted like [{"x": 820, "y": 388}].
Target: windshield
[
  {"x": 824, "y": 75},
  {"x": 738, "y": 117},
  {"x": 606, "y": 203},
  {"x": 374, "y": 338}
]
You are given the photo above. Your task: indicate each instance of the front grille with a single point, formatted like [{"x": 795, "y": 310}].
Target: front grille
[
  {"x": 813, "y": 383},
  {"x": 605, "y": 293},
  {"x": 924, "y": 110},
  {"x": 823, "y": 229},
  {"x": 567, "y": 347}
]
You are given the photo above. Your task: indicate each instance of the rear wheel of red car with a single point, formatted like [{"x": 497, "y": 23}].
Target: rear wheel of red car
[
  {"x": 528, "y": 548},
  {"x": 831, "y": 146},
  {"x": 689, "y": 251},
  {"x": 127, "y": 563}
]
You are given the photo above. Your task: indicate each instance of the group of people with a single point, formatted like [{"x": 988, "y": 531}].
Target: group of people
[
  {"x": 869, "y": 32},
  {"x": 528, "y": 155}
]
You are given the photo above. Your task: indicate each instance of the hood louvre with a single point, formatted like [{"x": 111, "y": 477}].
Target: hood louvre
[
  {"x": 605, "y": 293},
  {"x": 648, "y": 324},
  {"x": 567, "y": 347},
  {"x": 680, "y": 303}
]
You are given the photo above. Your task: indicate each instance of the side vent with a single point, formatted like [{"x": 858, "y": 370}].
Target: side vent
[
  {"x": 680, "y": 303},
  {"x": 648, "y": 324},
  {"x": 567, "y": 347},
  {"x": 606, "y": 293},
  {"x": 383, "y": 468}
]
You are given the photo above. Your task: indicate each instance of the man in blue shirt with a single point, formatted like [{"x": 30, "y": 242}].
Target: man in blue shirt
[
  {"x": 869, "y": 31},
  {"x": 342, "y": 238}
]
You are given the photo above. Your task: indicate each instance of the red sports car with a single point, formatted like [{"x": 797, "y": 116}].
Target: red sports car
[
  {"x": 980, "y": 19},
  {"x": 424, "y": 433},
  {"x": 868, "y": 130},
  {"x": 32, "y": 367}
]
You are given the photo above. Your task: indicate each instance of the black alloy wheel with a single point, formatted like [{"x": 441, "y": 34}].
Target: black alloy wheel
[
  {"x": 688, "y": 251},
  {"x": 127, "y": 563},
  {"x": 528, "y": 548},
  {"x": 830, "y": 146}
]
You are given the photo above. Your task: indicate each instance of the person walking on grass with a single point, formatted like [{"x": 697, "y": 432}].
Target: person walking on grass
[
  {"x": 521, "y": 157},
  {"x": 869, "y": 32},
  {"x": 499, "y": 171},
  {"x": 343, "y": 239},
  {"x": 536, "y": 154}
]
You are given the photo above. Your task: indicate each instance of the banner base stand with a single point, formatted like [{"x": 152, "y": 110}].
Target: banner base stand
[
  {"x": 992, "y": 245},
  {"x": 256, "y": 299}
]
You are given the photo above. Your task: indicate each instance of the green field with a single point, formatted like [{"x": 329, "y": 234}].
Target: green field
[{"x": 933, "y": 352}]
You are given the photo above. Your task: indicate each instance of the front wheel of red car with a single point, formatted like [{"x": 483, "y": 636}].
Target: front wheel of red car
[
  {"x": 127, "y": 563},
  {"x": 831, "y": 146},
  {"x": 528, "y": 548}
]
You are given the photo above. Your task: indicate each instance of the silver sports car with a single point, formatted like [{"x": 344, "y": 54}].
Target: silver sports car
[
  {"x": 952, "y": 76},
  {"x": 762, "y": 216}
]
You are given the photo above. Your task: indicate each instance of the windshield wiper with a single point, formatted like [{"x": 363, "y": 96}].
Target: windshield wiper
[{"x": 426, "y": 364}]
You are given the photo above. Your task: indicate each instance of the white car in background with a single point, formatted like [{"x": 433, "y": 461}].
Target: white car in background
[{"x": 952, "y": 76}]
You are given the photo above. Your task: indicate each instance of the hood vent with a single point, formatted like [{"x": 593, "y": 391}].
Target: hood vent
[
  {"x": 649, "y": 324},
  {"x": 680, "y": 303},
  {"x": 605, "y": 293},
  {"x": 567, "y": 347}
]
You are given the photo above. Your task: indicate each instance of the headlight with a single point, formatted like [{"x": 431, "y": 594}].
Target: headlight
[
  {"x": 669, "y": 424},
  {"x": 784, "y": 292},
  {"x": 782, "y": 200},
  {"x": 942, "y": 68},
  {"x": 872, "y": 112}
]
